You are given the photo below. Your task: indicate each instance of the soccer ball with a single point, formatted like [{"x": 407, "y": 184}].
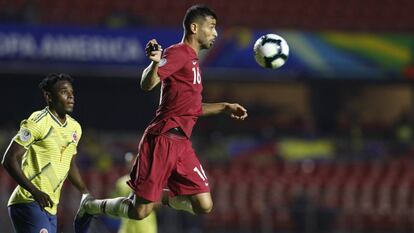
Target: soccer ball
[{"x": 271, "y": 51}]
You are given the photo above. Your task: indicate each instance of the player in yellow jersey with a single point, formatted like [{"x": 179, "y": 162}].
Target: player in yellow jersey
[
  {"x": 146, "y": 225},
  {"x": 41, "y": 156}
]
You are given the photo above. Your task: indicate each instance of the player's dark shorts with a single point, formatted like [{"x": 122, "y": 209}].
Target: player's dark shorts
[
  {"x": 167, "y": 160},
  {"x": 30, "y": 218}
]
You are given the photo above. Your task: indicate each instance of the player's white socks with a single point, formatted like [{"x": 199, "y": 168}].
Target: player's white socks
[
  {"x": 181, "y": 203},
  {"x": 116, "y": 207}
]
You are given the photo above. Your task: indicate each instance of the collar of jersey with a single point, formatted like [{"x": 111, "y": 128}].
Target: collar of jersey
[
  {"x": 55, "y": 118},
  {"x": 191, "y": 50}
]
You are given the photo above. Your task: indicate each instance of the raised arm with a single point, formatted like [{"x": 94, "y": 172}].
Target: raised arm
[
  {"x": 11, "y": 162},
  {"x": 234, "y": 110},
  {"x": 149, "y": 77}
]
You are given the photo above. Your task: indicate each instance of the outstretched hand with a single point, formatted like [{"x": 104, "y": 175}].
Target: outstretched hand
[{"x": 236, "y": 111}]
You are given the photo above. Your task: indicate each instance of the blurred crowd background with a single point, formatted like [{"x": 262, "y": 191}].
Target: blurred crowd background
[{"x": 328, "y": 145}]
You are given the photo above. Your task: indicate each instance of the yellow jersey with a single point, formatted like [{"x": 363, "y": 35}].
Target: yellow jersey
[{"x": 50, "y": 146}]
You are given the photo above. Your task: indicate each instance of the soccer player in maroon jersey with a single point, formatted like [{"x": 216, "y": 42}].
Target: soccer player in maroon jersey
[{"x": 165, "y": 154}]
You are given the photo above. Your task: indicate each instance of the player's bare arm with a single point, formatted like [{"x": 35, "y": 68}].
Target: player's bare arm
[
  {"x": 149, "y": 78},
  {"x": 11, "y": 162},
  {"x": 75, "y": 178},
  {"x": 234, "y": 110}
]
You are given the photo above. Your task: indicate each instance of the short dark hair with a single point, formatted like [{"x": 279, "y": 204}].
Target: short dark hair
[
  {"x": 51, "y": 79},
  {"x": 196, "y": 12}
]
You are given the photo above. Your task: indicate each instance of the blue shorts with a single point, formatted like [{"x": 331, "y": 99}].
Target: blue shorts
[{"x": 30, "y": 218}]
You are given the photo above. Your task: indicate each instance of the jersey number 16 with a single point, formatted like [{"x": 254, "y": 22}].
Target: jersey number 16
[{"x": 197, "y": 76}]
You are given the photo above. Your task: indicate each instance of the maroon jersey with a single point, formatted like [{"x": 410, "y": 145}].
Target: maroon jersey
[{"x": 180, "y": 100}]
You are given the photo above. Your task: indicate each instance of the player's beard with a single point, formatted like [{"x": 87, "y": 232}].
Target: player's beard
[{"x": 207, "y": 45}]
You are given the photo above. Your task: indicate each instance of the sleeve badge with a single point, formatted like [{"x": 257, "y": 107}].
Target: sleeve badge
[
  {"x": 162, "y": 62},
  {"x": 74, "y": 137},
  {"x": 25, "y": 135}
]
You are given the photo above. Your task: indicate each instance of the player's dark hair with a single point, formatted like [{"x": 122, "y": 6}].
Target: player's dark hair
[
  {"x": 51, "y": 79},
  {"x": 196, "y": 12}
]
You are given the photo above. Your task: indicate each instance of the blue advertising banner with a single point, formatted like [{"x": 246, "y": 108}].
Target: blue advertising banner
[
  {"x": 93, "y": 51},
  {"x": 78, "y": 45}
]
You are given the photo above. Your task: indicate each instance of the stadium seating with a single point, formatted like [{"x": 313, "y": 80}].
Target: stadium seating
[
  {"x": 384, "y": 15},
  {"x": 366, "y": 196},
  {"x": 359, "y": 195}
]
